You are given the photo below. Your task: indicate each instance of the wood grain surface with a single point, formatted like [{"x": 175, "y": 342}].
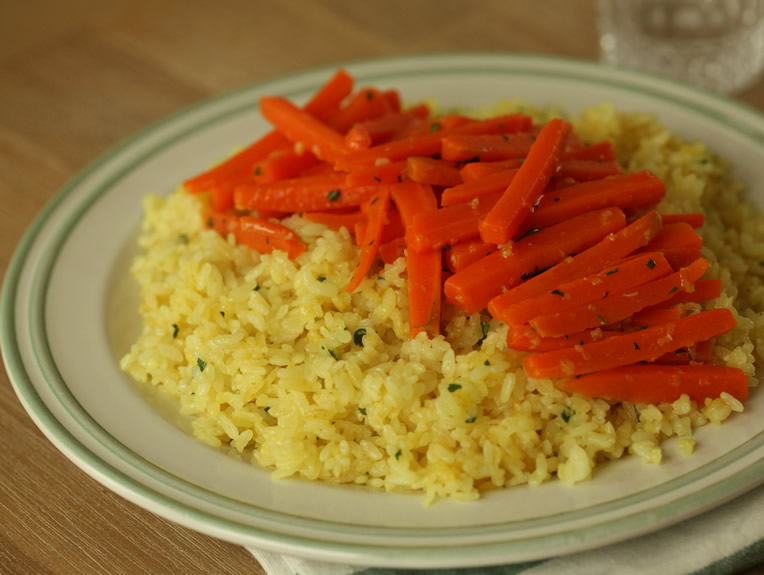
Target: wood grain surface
[{"x": 77, "y": 76}]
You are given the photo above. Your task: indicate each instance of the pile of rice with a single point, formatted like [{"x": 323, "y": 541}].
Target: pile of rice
[{"x": 274, "y": 362}]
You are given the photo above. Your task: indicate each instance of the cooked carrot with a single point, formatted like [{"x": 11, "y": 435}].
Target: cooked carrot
[
  {"x": 661, "y": 383},
  {"x": 517, "y": 201},
  {"x": 462, "y": 254},
  {"x": 223, "y": 223},
  {"x": 429, "y": 144},
  {"x": 655, "y": 316},
  {"x": 618, "y": 306},
  {"x": 377, "y": 214},
  {"x": 393, "y": 227},
  {"x": 366, "y": 104},
  {"x": 490, "y": 184},
  {"x": 238, "y": 168},
  {"x": 639, "y": 189},
  {"x": 525, "y": 338},
  {"x": 613, "y": 279},
  {"x": 611, "y": 249},
  {"x": 411, "y": 199},
  {"x": 474, "y": 286},
  {"x": 587, "y": 170},
  {"x": 704, "y": 290},
  {"x": 450, "y": 225},
  {"x": 424, "y": 291},
  {"x": 386, "y": 173},
  {"x": 695, "y": 220},
  {"x": 282, "y": 165},
  {"x": 676, "y": 235},
  {"x": 477, "y": 170},
  {"x": 303, "y": 128},
  {"x": 266, "y": 236},
  {"x": 392, "y": 250},
  {"x": 307, "y": 194},
  {"x": 336, "y": 220},
  {"x": 599, "y": 152},
  {"x": 485, "y": 147},
  {"x": 371, "y": 132},
  {"x": 629, "y": 348},
  {"x": 433, "y": 171}
]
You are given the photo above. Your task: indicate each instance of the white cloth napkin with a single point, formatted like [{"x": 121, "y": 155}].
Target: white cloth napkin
[{"x": 725, "y": 540}]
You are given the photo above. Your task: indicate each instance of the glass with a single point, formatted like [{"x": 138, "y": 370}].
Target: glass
[{"x": 716, "y": 44}]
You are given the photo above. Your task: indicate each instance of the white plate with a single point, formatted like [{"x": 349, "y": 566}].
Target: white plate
[{"x": 67, "y": 315}]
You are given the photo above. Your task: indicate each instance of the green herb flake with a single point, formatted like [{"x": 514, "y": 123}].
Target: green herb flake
[
  {"x": 369, "y": 95},
  {"x": 650, "y": 263},
  {"x": 397, "y": 455},
  {"x": 435, "y": 127},
  {"x": 447, "y": 248},
  {"x": 267, "y": 409},
  {"x": 321, "y": 278},
  {"x": 636, "y": 346},
  {"x": 602, "y": 319},
  {"x": 607, "y": 293},
  {"x": 558, "y": 292},
  {"x": 256, "y": 288},
  {"x": 636, "y": 412},
  {"x": 201, "y": 363},
  {"x": 673, "y": 290},
  {"x": 333, "y": 353},
  {"x": 358, "y": 336},
  {"x": 175, "y": 330},
  {"x": 333, "y": 195},
  {"x": 530, "y": 232},
  {"x": 222, "y": 314},
  {"x": 362, "y": 410},
  {"x": 452, "y": 387},
  {"x": 210, "y": 222},
  {"x": 567, "y": 413},
  {"x": 485, "y": 327},
  {"x": 183, "y": 238},
  {"x": 258, "y": 171},
  {"x": 486, "y": 362},
  {"x": 611, "y": 272},
  {"x": 471, "y": 419}
]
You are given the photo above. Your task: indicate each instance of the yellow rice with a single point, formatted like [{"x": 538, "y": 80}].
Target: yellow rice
[{"x": 259, "y": 351}]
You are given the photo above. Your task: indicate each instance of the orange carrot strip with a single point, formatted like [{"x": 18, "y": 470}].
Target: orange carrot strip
[
  {"x": 639, "y": 189},
  {"x": 587, "y": 170},
  {"x": 299, "y": 126},
  {"x": 363, "y": 134},
  {"x": 366, "y": 104},
  {"x": 393, "y": 228},
  {"x": 412, "y": 198},
  {"x": 336, "y": 220},
  {"x": 282, "y": 165},
  {"x": 613, "y": 279},
  {"x": 608, "y": 251},
  {"x": 485, "y": 147},
  {"x": 388, "y": 173},
  {"x": 474, "y": 286},
  {"x": 429, "y": 144},
  {"x": 619, "y": 306},
  {"x": 449, "y": 225},
  {"x": 661, "y": 384},
  {"x": 266, "y": 236},
  {"x": 392, "y": 250},
  {"x": 629, "y": 348},
  {"x": 506, "y": 217},
  {"x": 308, "y": 194},
  {"x": 695, "y": 220},
  {"x": 462, "y": 254},
  {"x": 223, "y": 223},
  {"x": 238, "y": 168},
  {"x": 599, "y": 152},
  {"x": 524, "y": 338},
  {"x": 476, "y": 170},
  {"x": 424, "y": 291},
  {"x": 432, "y": 171},
  {"x": 676, "y": 235},
  {"x": 378, "y": 208},
  {"x": 490, "y": 184},
  {"x": 655, "y": 316}
]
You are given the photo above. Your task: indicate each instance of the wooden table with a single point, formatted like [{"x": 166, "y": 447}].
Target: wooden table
[{"x": 79, "y": 75}]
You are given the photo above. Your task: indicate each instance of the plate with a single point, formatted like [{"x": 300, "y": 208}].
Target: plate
[{"x": 68, "y": 312}]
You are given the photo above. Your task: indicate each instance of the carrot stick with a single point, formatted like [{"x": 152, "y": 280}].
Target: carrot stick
[
  {"x": 336, "y": 220},
  {"x": 587, "y": 170},
  {"x": 477, "y": 170},
  {"x": 223, "y": 223},
  {"x": 474, "y": 286},
  {"x": 266, "y": 236},
  {"x": 432, "y": 171},
  {"x": 609, "y": 250},
  {"x": 599, "y": 152},
  {"x": 655, "y": 316},
  {"x": 392, "y": 250},
  {"x": 639, "y": 189},
  {"x": 411, "y": 199},
  {"x": 429, "y": 144},
  {"x": 619, "y": 306},
  {"x": 462, "y": 254},
  {"x": 387, "y": 173},
  {"x": 695, "y": 220},
  {"x": 661, "y": 383},
  {"x": 424, "y": 291},
  {"x": 393, "y": 228},
  {"x": 307, "y": 194},
  {"x": 366, "y": 104},
  {"x": 377, "y": 214},
  {"x": 299, "y": 126},
  {"x": 282, "y": 165},
  {"x": 704, "y": 290},
  {"x": 363, "y": 134},
  {"x": 629, "y": 348},
  {"x": 238, "y": 168},
  {"x": 524, "y": 338},
  {"x": 506, "y": 217},
  {"x": 449, "y": 225},
  {"x": 485, "y": 147},
  {"x": 490, "y": 184},
  {"x": 613, "y": 279}
]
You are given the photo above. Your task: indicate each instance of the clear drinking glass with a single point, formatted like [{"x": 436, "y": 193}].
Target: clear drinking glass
[{"x": 717, "y": 44}]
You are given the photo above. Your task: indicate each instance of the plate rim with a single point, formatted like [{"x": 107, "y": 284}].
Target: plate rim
[{"x": 47, "y": 422}]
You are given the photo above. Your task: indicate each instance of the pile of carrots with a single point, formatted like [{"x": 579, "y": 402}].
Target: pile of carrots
[{"x": 546, "y": 233}]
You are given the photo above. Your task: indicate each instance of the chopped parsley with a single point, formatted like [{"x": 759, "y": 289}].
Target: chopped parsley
[
  {"x": 636, "y": 412},
  {"x": 321, "y": 278},
  {"x": 611, "y": 272},
  {"x": 485, "y": 326},
  {"x": 201, "y": 363},
  {"x": 397, "y": 455},
  {"x": 636, "y": 346},
  {"x": 447, "y": 248},
  {"x": 673, "y": 289},
  {"x": 471, "y": 419},
  {"x": 258, "y": 171},
  {"x": 558, "y": 292},
  {"x": 358, "y": 336},
  {"x": 183, "y": 238},
  {"x": 210, "y": 222},
  {"x": 256, "y": 288},
  {"x": 567, "y": 413},
  {"x": 333, "y": 195},
  {"x": 369, "y": 95},
  {"x": 651, "y": 263},
  {"x": 362, "y": 410},
  {"x": 530, "y": 232},
  {"x": 607, "y": 293},
  {"x": 222, "y": 313},
  {"x": 175, "y": 330},
  {"x": 452, "y": 387},
  {"x": 602, "y": 319},
  {"x": 333, "y": 353},
  {"x": 486, "y": 362},
  {"x": 435, "y": 127},
  {"x": 267, "y": 409}
]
